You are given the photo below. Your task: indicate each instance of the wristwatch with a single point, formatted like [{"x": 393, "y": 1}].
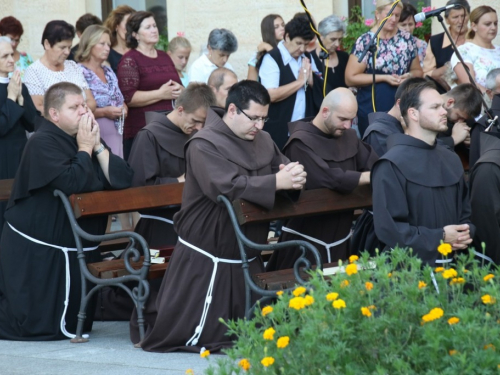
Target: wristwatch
[{"x": 99, "y": 150}]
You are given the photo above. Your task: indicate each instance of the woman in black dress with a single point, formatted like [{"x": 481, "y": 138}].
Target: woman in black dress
[{"x": 116, "y": 23}]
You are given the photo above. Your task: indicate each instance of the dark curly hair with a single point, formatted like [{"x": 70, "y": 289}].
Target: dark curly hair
[
  {"x": 299, "y": 27},
  {"x": 57, "y": 31},
  {"x": 133, "y": 26},
  {"x": 11, "y": 25}
]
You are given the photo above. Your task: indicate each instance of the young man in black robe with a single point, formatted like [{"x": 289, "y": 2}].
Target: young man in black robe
[
  {"x": 419, "y": 194},
  {"x": 334, "y": 158},
  {"x": 220, "y": 81},
  {"x": 232, "y": 156},
  {"x": 480, "y": 126},
  {"x": 36, "y": 257},
  {"x": 157, "y": 157},
  {"x": 17, "y": 115},
  {"x": 485, "y": 196}
]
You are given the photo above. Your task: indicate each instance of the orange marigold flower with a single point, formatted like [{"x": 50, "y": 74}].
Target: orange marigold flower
[
  {"x": 488, "y": 277},
  {"x": 457, "y": 280},
  {"x": 332, "y": 296},
  {"x": 351, "y": 269},
  {"x": 450, "y": 273},
  {"x": 205, "y": 353},
  {"x": 488, "y": 300},
  {"x": 269, "y": 333},
  {"x": 421, "y": 285},
  {"x": 344, "y": 283},
  {"x": 453, "y": 320},
  {"x": 438, "y": 269},
  {"x": 244, "y": 364},
  {"x": 444, "y": 248},
  {"x": 366, "y": 311},
  {"x": 297, "y": 303},
  {"x": 353, "y": 258},
  {"x": 368, "y": 285},
  {"x": 267, "y": 310},
  {"x": 267, "y": 361},
  {"x": 283, "y": 342},
  {"x": 299, "y": 290},
  {"x": 452, "y": 352},
  {"x": 308, "y": 300},
  {"x": 489, "y": 346},
  {"x": 339, "y": 304},
  {"x": 279, "y": 293}
]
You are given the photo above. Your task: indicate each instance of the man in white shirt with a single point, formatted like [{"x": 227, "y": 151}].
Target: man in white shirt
[{"x": 286, "y": 72}]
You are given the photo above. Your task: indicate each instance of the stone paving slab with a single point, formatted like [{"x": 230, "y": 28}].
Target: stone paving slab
[{"x": 108, "y": 352}]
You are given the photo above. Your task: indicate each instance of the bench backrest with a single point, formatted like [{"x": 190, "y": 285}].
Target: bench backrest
[{"x": 310, "y": 203}]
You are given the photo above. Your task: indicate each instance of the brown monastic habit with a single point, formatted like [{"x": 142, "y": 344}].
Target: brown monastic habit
[
  {"x": 218, "y": 162},
  {"x": 333, "y": 163}
]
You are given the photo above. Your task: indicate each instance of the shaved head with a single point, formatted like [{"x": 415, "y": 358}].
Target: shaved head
[
  {"x": 340, "y": 97},
  {"x": 337, "y": 111}
]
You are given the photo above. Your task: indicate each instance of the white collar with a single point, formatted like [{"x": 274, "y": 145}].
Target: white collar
[{"x": 4, "y": 79}]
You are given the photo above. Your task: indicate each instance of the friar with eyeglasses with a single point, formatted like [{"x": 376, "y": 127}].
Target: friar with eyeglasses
[
  {"x": 204, "y": 281},
  {"x": 334, "y": 158}
]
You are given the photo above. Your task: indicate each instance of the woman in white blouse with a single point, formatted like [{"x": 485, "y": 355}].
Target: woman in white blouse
[
  {"x": 479, "y": 53},
  {"x": 53, "y": 67}
]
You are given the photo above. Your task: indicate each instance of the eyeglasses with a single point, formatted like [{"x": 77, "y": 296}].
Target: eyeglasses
[{"x": 253, "y": 119}]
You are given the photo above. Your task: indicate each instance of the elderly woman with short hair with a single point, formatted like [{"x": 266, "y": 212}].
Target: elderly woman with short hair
[
  {"x": 221, "y": 44},
  {"x": 12, "y": 28},
  {"x": 332, "y": 30}
]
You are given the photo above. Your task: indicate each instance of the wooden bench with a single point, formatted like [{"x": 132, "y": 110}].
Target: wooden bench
[
  {"x": 310, "y": 203},
  {"x": 133, "y": 267}
]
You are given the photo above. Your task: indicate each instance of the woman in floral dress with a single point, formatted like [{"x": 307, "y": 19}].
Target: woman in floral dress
[{"x": 396, "y": 60}]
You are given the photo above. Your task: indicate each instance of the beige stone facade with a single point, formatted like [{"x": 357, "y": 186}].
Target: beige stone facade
[{"x": 193, "y": 17}]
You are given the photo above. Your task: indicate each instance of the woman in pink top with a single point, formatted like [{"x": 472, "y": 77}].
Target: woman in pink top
[{"x": 147, "y": 77}]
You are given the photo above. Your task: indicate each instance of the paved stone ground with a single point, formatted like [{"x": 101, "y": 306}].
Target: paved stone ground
[{"x": 108, "y": 352}]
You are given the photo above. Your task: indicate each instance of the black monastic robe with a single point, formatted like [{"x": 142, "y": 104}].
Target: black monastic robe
[
  {"x": 480, "y": 126},
  {"x": 217, "y": 162},
  {"x": 157, "y": 157},
  {"x": 382, "y": 125},
  {"x": 32, "y": 276},
  {"x": 332, "y": 163},
  {"x": 485, "y": 196},
  {"x": 417, "y": 190},
  {"x": 14, "y": 122}
]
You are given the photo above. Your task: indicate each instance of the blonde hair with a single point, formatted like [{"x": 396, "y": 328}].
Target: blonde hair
[
  {"x": 381, "y": 4},
  {"x": 88, "y": 40},
  {"x": 178, "y": 42},
  {"x": 476, "y": 15}
]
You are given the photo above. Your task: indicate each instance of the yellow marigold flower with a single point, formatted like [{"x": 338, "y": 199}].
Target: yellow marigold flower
[
  {"x": 299, "y": 290},
  {"x": 489, "y": 346},
  {"x": 267, "y": 361},
  {"x": 444, "y": 248},
  {"x": 267, "y": 310},
  {"x": 297, "y": 303},
  {"x": 457, "y": 280},
  {"x": 389, "y": 274},
  {"x": 488, "y": 300},
  {"x": 244, "y": 364},
  {"x": 332, "y": 296},
  {"x": 283, "y": 342},
  {"x": 368, "y": 285},
  {"x": 344, "y": 283},
  {"x": 438, "y": 269},
  {"x": 269, "y": 333},
  {"x": 448, "y": 274},
  {"x": 189, "y": 371},
  {"x": 452, "y": 352},
  {"x": 308, "y": 300},
  {"x": 421, "y": 285},
  {"x": 372, "y": 307},
  {"x": 339, "y": 304},
  {"x": 279, "y": 293},
  {"x": 351, "y": 269},
  {"x": 453, "y": 320},
  {"x": 353, "y": 258},
  {"x": 434, "y": 314},
  {"x": 366, "y": 311},
  {"x": 488, "y": 277},
  {"x": 205, "y": 353}
]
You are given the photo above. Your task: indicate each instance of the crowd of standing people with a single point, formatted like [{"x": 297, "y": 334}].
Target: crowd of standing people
[{"x": 115, "y": 111}]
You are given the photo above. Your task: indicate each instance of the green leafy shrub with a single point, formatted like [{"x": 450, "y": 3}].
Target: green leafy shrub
[
  {"x": 388, "y": 320},
  {"x": 356, "y": 26}
]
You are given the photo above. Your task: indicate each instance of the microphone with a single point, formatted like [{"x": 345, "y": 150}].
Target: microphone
[{"x": 420, "y": 17}]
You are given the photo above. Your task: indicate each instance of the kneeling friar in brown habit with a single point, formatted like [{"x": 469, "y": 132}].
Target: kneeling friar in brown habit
[
  {"x": 204, "y": 281},
  {"x": 334, "y": 158}
]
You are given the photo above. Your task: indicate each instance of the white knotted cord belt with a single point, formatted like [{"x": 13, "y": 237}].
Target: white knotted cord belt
[{"x": 68, "y": 276}]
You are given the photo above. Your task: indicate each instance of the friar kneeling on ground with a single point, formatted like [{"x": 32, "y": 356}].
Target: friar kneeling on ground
[
  {"x": 39, "y": 270},
  {"x": 204, "y": 281},
  {"x": 334, "y": 158}
]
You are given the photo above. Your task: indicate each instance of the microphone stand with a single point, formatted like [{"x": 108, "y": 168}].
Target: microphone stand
[
  {"x": 492, "y": 121},
  {"x": 372, "y": 47}
]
